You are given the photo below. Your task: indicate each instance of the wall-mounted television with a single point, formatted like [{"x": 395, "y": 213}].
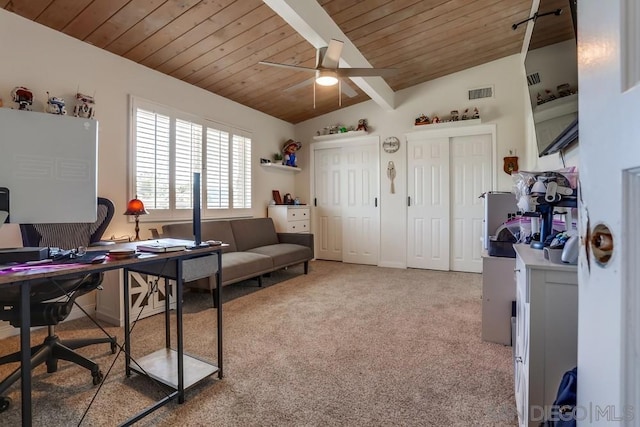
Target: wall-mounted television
[{"x": 552, "y": 75}]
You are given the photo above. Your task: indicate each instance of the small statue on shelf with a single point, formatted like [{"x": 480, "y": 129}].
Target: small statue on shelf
[
  {"x": 84, "y": 108},
  {"x": 422, "y": 120},
  {"x": 23, "y": 96},
  {"x": 435, "y": 119},
  {"x": 289, "y": 149},
  {"x": 362, "y": 125},
  {"x": 455, "y": 116},
  {"x": 56, "y": 105},
  {"x": 476, "y": 114},
  {"x": 465, "y": 115}
]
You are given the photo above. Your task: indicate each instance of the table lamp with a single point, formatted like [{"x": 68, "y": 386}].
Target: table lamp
[{"x": 136, "y": 208}]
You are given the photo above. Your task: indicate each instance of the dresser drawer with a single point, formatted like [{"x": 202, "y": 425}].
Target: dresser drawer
[
  {"x": 298, "y": 214},
  {"x": 299, "y": 226}
]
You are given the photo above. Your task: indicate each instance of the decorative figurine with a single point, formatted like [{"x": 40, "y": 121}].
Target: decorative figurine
[
  {"x": 362, "y": 125},
  {"x": 476, "y": 113},
  {"x": 422, "y": 120},
  {"x": 23, "y": 97},
  {"x": 55, "y": 105},
  {"x": 465, "y": 115},
  {"x": 455, "y": 116},
  {"x": 289, "y": 149},
  {"x": 84, "y": 107},
  {"x": 435, "y": 119}
]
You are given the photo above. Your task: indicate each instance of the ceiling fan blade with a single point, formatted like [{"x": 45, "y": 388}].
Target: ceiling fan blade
[
  {"x": 366, "y": 72},
  {"x": 297, "y": 86},
  {"x": 347, "y": 89},
  {"x": 332, "y": 55},
  {"x": 291, "y": 67}
]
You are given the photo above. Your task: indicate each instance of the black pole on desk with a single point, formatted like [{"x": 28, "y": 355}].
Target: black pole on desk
[
  {"x": 25, "y": 351},
  {"x": 219, "y": 311},
  {"x": 127, "y": 332},
  {"x": 179, "y": 336}
]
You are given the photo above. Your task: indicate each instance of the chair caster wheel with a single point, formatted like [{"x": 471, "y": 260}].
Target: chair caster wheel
[
  {"x": 97, "y": 377},
  {"x": 5, "y": 402}
]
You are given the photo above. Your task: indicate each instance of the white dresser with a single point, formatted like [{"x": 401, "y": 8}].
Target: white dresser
[
  {"x": 546, "y": 344},
  {"x": 291, "y": 218}
]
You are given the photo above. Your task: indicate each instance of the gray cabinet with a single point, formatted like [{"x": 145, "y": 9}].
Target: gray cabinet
[
  {"x": 498, "y": 294},
  {"x": 546, "y": 331}
]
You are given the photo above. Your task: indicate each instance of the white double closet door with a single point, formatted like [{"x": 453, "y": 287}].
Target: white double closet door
[
  {"x": 346, "y": 212},
  {"x": 446, "y": 176}
]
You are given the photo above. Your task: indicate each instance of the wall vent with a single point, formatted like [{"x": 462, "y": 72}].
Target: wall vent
[
  {"x": 483, "y": 92},
  {"x": 533, "y": 79}
]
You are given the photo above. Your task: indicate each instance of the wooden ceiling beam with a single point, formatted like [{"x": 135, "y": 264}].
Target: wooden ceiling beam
[{"x": 313, "y": 23}]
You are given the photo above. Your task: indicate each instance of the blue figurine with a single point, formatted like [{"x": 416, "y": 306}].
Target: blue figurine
[{"x": 289, "y": 150}]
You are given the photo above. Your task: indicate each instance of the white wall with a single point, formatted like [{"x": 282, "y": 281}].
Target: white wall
[
  {"x": 507, "y": 110},
  {"x": 44, "y": 60}
]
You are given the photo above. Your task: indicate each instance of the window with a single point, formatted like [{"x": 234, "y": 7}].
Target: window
[{"x": 169, "y": 146}]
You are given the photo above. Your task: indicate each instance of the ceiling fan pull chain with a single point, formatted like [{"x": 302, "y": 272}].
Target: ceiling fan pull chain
[
  {"x": 314, "y": 94},
  {"x": 340, "y": 92}
]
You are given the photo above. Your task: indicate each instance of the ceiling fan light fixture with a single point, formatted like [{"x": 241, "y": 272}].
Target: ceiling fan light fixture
[{"x": 326, "y": 77}]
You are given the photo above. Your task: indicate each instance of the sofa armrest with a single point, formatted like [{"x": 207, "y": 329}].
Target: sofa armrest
[{"x": 304, "y": 239}]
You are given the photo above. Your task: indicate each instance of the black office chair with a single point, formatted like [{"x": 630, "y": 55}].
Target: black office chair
[{"x": 52, "y": 300}]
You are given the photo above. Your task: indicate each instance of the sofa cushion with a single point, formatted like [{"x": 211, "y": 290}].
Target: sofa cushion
[
  {"x": 211, "y": 230},
  {"x": 284, "y": 254},
  {"x": 253, "y": 232},
  {"x": 244, "y": 265}
]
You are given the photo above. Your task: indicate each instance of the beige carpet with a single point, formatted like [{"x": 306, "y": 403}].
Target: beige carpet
[{"x": 346, "y": 345}]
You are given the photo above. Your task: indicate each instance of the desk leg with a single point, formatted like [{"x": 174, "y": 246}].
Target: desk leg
[
  {"x": 167, "y": 312},
  {"x": 219, "y": 312},
  {"x": 127, "y": 322},
  {"x": 25, "y": 351},
  {"x": 179, "y": 336}
]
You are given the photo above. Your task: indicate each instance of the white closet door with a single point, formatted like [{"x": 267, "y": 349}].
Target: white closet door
[
  {"x": 428, "y": 212},
  {"x": 327, "y": 214},
  {"x": 470, "y": 176},
  {"x": 360, "y": 213}
]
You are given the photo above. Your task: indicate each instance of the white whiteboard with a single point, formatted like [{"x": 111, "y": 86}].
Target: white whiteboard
[{"x": 49, "y": 164}]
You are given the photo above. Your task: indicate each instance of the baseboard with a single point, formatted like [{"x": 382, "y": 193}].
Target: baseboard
[{"x": 392, "y": 264}]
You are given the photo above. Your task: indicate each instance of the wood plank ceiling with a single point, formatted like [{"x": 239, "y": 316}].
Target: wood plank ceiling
[{"x": 217, "y": 44}]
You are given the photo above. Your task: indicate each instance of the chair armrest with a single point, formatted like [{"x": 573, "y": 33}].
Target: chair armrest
[{"x": 304, "y": 239}]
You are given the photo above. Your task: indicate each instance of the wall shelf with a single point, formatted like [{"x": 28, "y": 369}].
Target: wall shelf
[
  {"x": 350, "y": 134},
  {"x": 457, "y": 123},
  {"x": 279, "y": 166}
]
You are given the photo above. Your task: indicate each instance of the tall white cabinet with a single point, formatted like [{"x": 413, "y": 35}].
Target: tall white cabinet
[{"x": 546, "y": 343}]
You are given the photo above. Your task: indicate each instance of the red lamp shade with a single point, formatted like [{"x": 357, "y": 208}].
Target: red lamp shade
[{"x": 136, "y": 208}]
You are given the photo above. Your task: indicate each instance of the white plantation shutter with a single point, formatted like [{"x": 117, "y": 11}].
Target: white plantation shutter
[
  {"x": 241, "y": 171},
  {"x": 169, "y": 146},
  {"x": 152, "y": 159},
  {"x": 188, "y": 159},
  {"x": 217, "y": 174}
]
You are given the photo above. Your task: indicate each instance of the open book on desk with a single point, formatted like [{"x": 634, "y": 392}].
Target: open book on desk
[{"x": 162, "y": 245}]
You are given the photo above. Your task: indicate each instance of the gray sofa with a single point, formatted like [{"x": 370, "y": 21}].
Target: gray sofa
[{"x": 254, "y": 248}]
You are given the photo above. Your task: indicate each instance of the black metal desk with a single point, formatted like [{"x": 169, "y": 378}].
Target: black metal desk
[{"x": 171, "y": 265}]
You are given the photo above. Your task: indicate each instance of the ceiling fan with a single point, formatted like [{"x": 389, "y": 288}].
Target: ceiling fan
[{"x": 328, "y": 72}]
